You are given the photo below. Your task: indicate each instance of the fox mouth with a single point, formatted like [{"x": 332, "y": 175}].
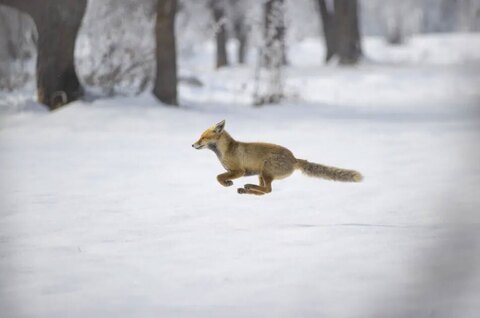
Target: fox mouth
[{"x": 198, "y": 147}]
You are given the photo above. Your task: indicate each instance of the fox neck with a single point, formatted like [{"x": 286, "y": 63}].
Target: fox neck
[{"x": 221, "y": 147}]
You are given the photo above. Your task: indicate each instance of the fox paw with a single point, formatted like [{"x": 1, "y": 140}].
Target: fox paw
[
  {"x": 241, "y": 190},
  {"x": 226, "y": 183}
]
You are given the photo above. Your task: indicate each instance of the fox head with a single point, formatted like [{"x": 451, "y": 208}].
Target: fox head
[{"x": 210, "y": 136}]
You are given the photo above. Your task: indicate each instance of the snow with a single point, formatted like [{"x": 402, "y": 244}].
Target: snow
[{"x": 106, "y": 210}]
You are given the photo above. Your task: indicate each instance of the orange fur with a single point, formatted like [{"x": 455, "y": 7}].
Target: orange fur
[{"x": 268, "y": 161}]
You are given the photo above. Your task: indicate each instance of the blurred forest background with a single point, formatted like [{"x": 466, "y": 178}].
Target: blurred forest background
[
  {"x": 107, "y": 211},
  {"x": 95, "y": 48}
]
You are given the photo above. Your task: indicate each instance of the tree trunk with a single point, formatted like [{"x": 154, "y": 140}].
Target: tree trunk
[
  {"x": 347, "y": 30},
  {"x": 240, "y": 28},
  {"x": 328, "y": 24},
  {"x": 241, "y": 35},
  {"x": 221, "y": 33},
  {"x": 57, "y": 23},
  {"x": 274, "y": 31},
  {"x": 165, "y": 86},
  {"x": 341, "y": 30}
]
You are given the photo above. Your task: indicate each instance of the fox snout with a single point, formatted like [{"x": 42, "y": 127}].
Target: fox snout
[
  {"x": 197, "y": 146},
  {"x": 200, "y": 144}
]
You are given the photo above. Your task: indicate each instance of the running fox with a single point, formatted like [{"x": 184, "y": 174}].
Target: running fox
[{"x": 268, "y": 161}]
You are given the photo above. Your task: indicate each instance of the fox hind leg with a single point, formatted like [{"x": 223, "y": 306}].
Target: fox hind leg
[
  {"x": 249, "y": 191},
  {"x": 261, "y": 182},
  {"x": 264, "y": 187}
]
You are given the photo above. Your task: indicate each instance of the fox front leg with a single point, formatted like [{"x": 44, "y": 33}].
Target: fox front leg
[{"x": 225, "y": 179}]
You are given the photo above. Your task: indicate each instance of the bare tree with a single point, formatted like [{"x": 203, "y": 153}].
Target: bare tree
[
  {"x": 123, "y": 62},
  {"x": 269, "y": 76},
  {"x": 341, "y": 30},
  {"x": 15, "y": 28},
  {"x": 17, "y": 31},
  {"x": 57, "y": 23},
  {"x": 347, "y": 31},
  {"x": 218, "y": 11},
  {"x": 165, "y": 86},
  {"x": 274, "y": 30},
  {"x": 240, "y": 28},
  {"x": 328, "y": 24}
]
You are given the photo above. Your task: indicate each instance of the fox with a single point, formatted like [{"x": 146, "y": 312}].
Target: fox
[{"x": 269, "y": 161}]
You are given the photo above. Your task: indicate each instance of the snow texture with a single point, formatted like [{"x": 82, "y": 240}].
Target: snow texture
[{"x": 107, "y": 210}]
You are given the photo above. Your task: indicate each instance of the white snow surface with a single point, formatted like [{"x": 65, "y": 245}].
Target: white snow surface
[{"x": 107, "y": 210}]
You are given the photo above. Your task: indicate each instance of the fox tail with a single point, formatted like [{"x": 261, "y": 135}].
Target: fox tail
[{"x": 330, "y": 173}]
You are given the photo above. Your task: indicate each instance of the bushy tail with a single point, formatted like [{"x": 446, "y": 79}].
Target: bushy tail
[{"x": 330, "y": 173}]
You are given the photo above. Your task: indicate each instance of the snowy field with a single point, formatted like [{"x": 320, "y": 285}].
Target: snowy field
[{"x": 107, "y": 211}]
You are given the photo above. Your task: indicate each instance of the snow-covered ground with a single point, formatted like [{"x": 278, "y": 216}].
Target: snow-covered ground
[{"x": 106, "y": 210}]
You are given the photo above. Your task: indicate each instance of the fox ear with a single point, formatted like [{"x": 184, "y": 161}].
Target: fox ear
[{"x": 219, "y": 127}]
